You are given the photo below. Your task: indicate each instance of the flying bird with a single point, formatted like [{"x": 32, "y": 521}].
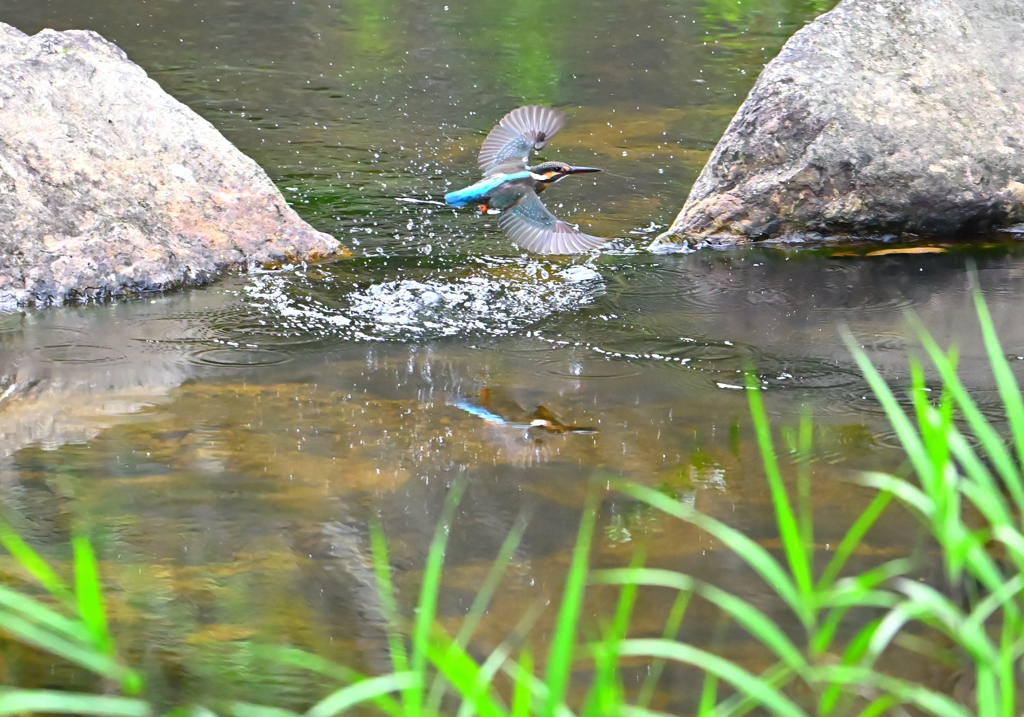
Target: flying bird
[{"x": 514, "y": 188}]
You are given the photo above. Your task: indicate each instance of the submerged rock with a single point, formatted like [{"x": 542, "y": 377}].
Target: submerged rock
[
  {"x": 109, "y": 186},
  {"x": 881, "y": 116}
]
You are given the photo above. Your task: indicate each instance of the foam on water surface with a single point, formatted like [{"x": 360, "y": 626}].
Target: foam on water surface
[{"x": 479, "y": 301}]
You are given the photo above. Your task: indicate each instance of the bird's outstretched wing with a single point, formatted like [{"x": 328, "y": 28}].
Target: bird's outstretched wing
[
  {"x": 530, "y": 225},
  {"x": 517, "y": 134}
]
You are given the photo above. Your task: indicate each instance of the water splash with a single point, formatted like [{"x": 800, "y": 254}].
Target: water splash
[{"x": 499, "y": 298}]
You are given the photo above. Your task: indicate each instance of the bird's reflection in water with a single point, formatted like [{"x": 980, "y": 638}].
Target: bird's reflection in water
[{"x": 525, "y": 437}]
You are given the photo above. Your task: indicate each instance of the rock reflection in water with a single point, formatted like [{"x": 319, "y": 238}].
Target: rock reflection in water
[{"x": 68, "y": 374}]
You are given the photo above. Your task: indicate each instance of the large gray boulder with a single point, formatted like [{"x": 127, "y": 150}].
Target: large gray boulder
[
  {"x": 108, "y": 185},
  {"x": 881, "y": 116}
]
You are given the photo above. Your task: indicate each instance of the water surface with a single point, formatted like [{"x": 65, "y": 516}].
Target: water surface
[{"x": 226, "y": 447}]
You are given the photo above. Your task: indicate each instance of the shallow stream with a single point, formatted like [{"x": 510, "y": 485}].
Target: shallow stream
[{"x": 225, "y": 447}]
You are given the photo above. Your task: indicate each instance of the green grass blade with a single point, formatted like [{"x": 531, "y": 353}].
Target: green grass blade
[
  {"x": 604, "y": 695},
  {"x": 89, "y": 593},
  {"x": 491, "y": 582},
  {"x": 909, "y": 495},
  {"x": 627, "y": 598},
  {"x": 855, "y": 650},
  {"x": 739, "y": 704},
  {"x": 929, "y": 604},
  {"x": 988, "y": 497},
  {"x": 708, "y": 695},
  {"x": 34, "y": 564},
  {"x": 537, "y": 688},
  {"x": 759, "y": 559},
  {"x": 986, "y": 692},
  {"x": 743, "y": 681},
  {"x": 789, "y": 531},
  {"x": 989, "y": 438},
  {"x": 905, "y": 431},
  {"x": 479, "y": 606},
  {"x": 852, "y": 539},
  {"x": 431, "y": 585},
  {"x": 821, "y": 640},
  {"x": 992, "y": 602},
  {"x": 753, "y": 620},
  {"x": 1014, "y": 543},
  {"x": 465, "y": 676},
  {"x": 903, "y": 691},
  {"x": 672, "y": 624},
  {"x": 21, "y": 702},
  {"x": 930, "y": 423},
  {"x": 563, "y": 643},
  {"x": 863, "y": 584},
  {"x": 889, "y": 627},
  {"x": 857, "y": 592},
  {"x": 482, "y": 681},
  {"x": 1009, "y": 657},
  {"x": 1009, "y": 391},
  {"x": 82, "y": 654},
  {"x": 522, "y": 700},
  {"x": 879, "y": 706},
  {"x": 365, "y": 691},
  {"x": 935, "y": 426},
  {"x": 294, "y": 657},
  {"x": 946, "y": 656},
  {"x": 388, "y": 606},
  {"x": 37, "y": 612},
  {"x": 983, "y": 566},
  {"x": 805, "y": 510}
]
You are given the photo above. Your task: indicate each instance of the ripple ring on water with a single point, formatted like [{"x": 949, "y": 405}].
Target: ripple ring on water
[
  {"x": 240, "y": 357},
  {"x": 80, "y": 353}
]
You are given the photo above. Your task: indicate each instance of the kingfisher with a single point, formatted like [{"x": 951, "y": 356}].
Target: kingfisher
[
  {"x": 495, "y": 407},
  {"x": 513, "y": 188}
]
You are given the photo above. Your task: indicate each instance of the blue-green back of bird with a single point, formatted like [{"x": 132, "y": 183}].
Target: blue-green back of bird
[{"x": 498, "y": 192}]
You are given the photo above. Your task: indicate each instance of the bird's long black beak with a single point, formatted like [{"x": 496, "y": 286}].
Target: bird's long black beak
[{"x": 583, "y": 170}]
